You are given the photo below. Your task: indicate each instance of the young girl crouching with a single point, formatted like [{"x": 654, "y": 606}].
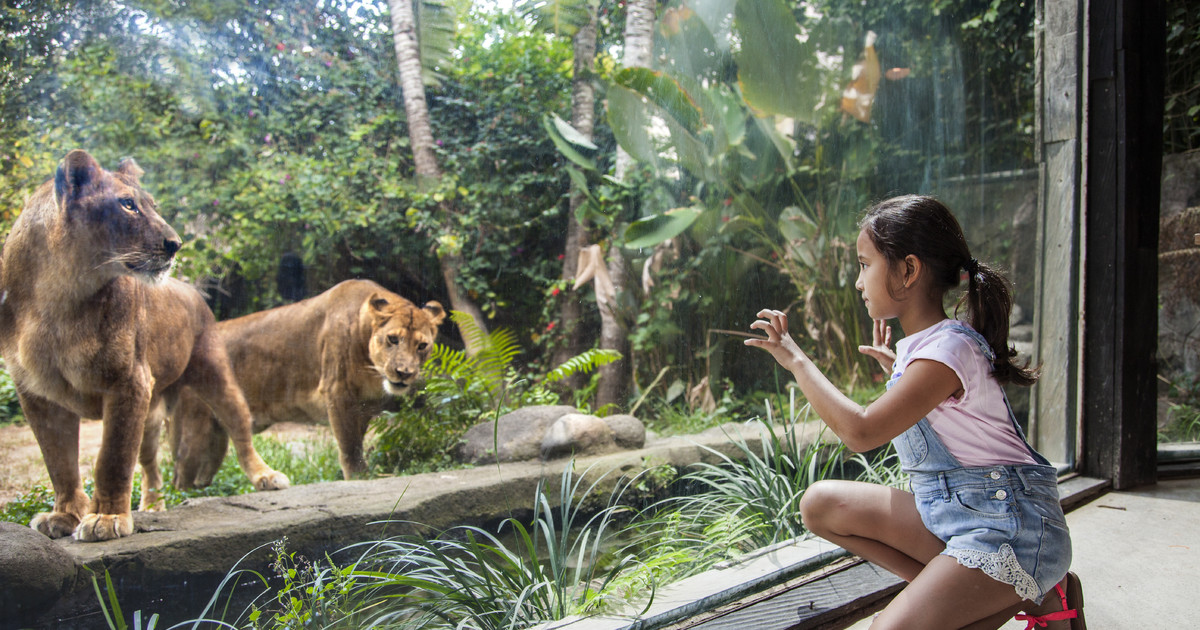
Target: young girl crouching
[{"x": 981, "y": 536}]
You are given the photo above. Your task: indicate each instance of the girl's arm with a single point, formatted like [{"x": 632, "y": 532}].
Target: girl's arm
[{"x": 925, "y": 385}]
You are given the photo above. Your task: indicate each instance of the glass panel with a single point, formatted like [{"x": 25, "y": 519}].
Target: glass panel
[
  {"x": 275, "y": 137},
  {"x": 1179, "y": 244}
]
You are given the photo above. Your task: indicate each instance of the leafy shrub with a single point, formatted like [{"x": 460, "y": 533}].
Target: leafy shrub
[{"x": 460, "y": 391}]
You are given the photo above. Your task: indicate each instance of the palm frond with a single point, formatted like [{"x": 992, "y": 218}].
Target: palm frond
[
  {"x": 582, "y": 363},
  {"x": 436, "y": 22},
  {"x": 561, "y": 17}
]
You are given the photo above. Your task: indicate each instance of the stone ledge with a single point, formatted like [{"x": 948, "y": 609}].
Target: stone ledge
[{"x": 178, "y": 557}]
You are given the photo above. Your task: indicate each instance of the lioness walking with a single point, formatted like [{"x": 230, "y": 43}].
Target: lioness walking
[
  {"x": 338, "y": 358},
  {"x": 91, "y": 326}
]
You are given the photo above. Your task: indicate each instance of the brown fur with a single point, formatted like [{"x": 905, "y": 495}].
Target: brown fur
[
  {"x": 90, "y": 326},
  {"x": 335, "y": 358}
]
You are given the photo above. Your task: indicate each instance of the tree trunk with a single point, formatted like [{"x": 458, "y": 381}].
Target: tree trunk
[
  {"x": 614, "y": 334},
  {"x": 408, "y": 58},
  {"x": 583, "y": 118}
]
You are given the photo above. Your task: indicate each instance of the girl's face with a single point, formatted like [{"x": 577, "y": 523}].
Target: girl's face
[{"x": 875, "y": 279}]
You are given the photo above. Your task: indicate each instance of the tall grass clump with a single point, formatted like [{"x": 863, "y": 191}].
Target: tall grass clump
[
  {"x": 750, "y": 501},
  {"x": 467, "y": 578}
]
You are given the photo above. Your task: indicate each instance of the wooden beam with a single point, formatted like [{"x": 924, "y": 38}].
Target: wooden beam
[{"x": 1125, "y": 66}]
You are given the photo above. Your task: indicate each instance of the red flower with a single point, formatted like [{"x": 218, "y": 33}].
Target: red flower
[
  {"x": 279, "y": 46},
  {"x": 550, "y": 326},
  {"x": 554, "y": 292}
]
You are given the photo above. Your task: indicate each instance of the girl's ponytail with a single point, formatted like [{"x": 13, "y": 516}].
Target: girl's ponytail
[
  {"x": 988, "y": 301},
  {"x": 924, "y": 227}
]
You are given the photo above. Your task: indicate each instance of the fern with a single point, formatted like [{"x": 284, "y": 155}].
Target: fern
[{"x": 582, "y": 363}]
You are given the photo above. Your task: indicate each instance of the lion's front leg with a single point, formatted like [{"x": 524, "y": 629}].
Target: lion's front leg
[
  {"x": 57, "y": 433},
  {"x": 349, "y": 422},
  {"x": 125, "y": 416}
]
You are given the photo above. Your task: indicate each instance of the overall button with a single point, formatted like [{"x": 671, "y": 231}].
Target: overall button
[
  {"x": 995, "y": 475},
  {"x": 1001, "y": 495}
]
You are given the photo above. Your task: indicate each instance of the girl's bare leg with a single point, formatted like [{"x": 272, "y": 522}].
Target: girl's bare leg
[
  {"x": 948, "y": 595},
  {"x": 874, "y": 522},
  {"x": 881, "y": 524}
]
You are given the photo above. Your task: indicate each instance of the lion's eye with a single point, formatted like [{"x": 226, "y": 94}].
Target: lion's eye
[
  {"x": 393, "y": 340},
  {"x": 129, "y": 205},
  {"x": 422, "y": 347}
]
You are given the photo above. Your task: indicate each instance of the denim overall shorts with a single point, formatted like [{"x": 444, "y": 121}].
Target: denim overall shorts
[{"x": 1005, "y": 520}]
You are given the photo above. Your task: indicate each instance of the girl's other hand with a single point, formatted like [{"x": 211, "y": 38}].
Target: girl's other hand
[
  {"x": 881, "y": 345},
  {"x": 778, "y": 342}
]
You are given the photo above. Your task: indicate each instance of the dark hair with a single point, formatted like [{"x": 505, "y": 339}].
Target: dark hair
[{"x": 923, "y": 227}]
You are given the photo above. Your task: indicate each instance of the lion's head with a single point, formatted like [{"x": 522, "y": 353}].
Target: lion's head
[
  {"x": 116, "y": 216},
  {"x": 402, "y": 337}
]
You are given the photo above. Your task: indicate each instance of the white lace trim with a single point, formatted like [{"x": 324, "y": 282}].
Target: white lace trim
[{"x": 1001, "y": 565}]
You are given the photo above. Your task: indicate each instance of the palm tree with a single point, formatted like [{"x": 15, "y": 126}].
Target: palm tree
[
  {"x": 412, "y": 84},
  {"x": 615, "y": 377}
]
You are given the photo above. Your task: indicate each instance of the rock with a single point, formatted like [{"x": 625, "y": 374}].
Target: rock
[
  {"x": 577, "y": 434},
  {"x": 628, "y": 431},
  {"x": 517, "y": 438},
  {"x": 34, "y": 570}
]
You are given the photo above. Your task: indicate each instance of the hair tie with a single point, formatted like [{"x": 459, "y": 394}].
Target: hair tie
[{"x": 971, "y": 266}]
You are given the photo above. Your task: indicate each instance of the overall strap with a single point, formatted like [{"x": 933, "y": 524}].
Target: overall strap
[{"x": 986, "y": 349}]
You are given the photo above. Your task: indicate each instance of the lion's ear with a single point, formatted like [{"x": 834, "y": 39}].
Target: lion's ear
[
  {"x": 436, "y": 312},
  {"x": 130, "y": 169},
  {"x": 75, "y": 171},
  {"x": 377, "y": 303}
]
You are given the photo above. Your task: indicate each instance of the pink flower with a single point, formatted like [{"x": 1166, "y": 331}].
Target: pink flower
[{"x": 279, "y": 46}]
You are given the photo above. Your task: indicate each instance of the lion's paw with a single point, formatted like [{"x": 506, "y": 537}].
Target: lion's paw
[
  {"x": 152, "y": 501},
  {"x": 55, "y": 524},
  {"x": 272, "y": 480},
  {"x": 97, "y": 527}
]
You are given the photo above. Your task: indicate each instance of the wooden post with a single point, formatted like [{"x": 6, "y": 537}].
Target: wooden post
[{"x": 1123, "y": 149}]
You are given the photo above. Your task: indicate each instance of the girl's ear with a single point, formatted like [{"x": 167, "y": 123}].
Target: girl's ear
[{"x": 912, "y": 268}]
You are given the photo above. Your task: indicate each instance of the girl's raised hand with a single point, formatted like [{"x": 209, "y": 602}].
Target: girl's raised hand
[
  {"x": 778, "y": 342},
  {"x": 881, "y": 345}
]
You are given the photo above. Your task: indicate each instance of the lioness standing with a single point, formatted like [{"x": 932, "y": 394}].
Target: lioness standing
[
  {"x": 335, "y": 358},
  {"x": 91, "y": 326}
]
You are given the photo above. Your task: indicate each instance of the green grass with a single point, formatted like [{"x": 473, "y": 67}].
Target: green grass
[{"x": 305, "y": 461}]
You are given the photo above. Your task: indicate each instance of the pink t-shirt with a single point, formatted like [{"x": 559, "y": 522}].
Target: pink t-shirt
[{"x": 975, "y": 428}]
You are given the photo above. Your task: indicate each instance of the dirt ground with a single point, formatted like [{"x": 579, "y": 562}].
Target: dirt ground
[{"x": 21, "y": 465}]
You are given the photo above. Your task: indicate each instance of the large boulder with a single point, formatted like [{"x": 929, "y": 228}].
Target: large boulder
[
  {"x": 34, "y": 570},
  {"x": 628, "y": 431},
  {"x": 516, "y": 436},
  {"x": 578, "y": 434},
  {"x": 548, "y": 432}
]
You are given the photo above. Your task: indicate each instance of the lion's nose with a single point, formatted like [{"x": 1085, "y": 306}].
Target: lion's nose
[
  {"x": 171, "y": 245},
  {"x": 403, "y": 375}
]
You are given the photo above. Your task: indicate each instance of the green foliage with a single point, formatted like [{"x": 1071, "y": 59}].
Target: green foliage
[
  {"x": 749, "y": 501},
  {"x": 309, "y": 594},
  {"x": 460, "y": 391},
  {"x": 23, "y": 508},
  {"x": 112, "y": 608},
  {"x": 1181, "y": 111},
  {"x": 1182, "y": 423}
]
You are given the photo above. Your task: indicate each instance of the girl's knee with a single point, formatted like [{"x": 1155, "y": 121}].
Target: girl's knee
[{"x": 818, "y": 504}]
